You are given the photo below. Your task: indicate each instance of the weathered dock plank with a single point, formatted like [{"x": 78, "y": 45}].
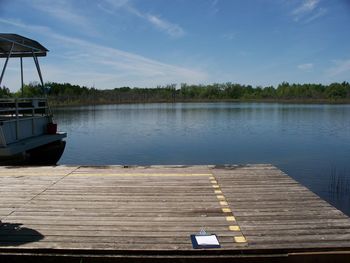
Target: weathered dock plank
[
  {"x": 147, "y": 213},
  {"x": 298, "y": 218}
]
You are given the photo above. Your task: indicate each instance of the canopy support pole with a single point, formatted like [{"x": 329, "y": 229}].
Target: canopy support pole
[
  {"x": 36, "y": 61},
  {"x": 22, "y": 85},
  {"x": 5, "y": 65}
]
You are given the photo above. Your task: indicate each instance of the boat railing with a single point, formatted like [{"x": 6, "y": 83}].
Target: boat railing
[
  {"x": 18, "y": 105},
  {"x": 23, "y": 117}
]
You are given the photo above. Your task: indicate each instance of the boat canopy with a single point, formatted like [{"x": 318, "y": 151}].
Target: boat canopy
[
  {"x": 19, "y": 46},
  {"x": 13, "y": 45}
]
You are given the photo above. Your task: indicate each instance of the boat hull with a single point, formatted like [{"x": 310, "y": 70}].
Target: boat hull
[{"x": 48, "y": 154}]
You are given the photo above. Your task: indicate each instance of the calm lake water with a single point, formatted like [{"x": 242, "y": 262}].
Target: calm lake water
[{"x": 309, "y": 142}]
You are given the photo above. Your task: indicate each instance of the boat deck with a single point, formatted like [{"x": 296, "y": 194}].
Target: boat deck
[
  {"x": 30, "y": 143},
  {"x": 147, "y": 213}
]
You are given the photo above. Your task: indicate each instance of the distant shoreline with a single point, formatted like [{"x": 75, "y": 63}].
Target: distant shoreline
[
  {"x": 54, "y": 103},
  {"x": 66, "y": 94}
]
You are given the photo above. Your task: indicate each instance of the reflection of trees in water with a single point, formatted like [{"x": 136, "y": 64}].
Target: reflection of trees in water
[
  {"x": 16, "y": 234},
  {"x": 69, "y": 115},
  {"x": 339, "y": 182}
]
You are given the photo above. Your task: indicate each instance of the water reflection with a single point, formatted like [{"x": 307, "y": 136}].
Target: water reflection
[
  {"x": 339, "y": 187},
  {"x": 305, "y": 141}
]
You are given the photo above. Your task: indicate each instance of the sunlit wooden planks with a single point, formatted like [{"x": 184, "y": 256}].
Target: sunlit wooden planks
[
  {"x": 143, "y": 208},
  {"x": 156, "y": 208},
  {"x": 20, "y": 185},
  {"x": 274, "y": 211}
]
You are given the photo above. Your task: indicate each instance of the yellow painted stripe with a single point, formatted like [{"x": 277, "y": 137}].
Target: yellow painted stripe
[
  {"x": 135, "y": 174},
  {"x": 226, "y": 210},
  {"x": 234, "y": 228},
  {"x": 230, "y": 218},
  {"x": 220, "y": 197},
  {"x": 240, "y": 239}
]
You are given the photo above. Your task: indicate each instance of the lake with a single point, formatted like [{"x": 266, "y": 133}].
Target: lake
[{"x": 311, "y": 143}]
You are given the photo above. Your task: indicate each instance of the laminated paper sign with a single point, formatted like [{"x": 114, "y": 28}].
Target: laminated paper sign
[{"x": 205, "y": 241}]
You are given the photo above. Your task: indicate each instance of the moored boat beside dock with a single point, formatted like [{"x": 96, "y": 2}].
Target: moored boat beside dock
[{"x": 28, "y": 135}]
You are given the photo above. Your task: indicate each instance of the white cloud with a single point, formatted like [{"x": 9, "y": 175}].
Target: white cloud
[
  {"x": 88, "y": 63},
  {"x": 306, "y": 66},
  {"x": 306, "y": 6},
  {"x": 171, "y": 29},
  {"x": 64, "y": 12},
  {"x": 320, "y": 12},
  {"x": 308, "y": 11},
  {"x": 339, "y": 67},
  {"x": 161, "y": 24}
]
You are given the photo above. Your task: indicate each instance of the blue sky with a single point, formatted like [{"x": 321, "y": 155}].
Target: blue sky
[{"x": 144, "y": 43}]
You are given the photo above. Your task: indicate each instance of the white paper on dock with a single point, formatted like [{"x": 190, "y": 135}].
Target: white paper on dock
[{"x": 207, "y": 240}]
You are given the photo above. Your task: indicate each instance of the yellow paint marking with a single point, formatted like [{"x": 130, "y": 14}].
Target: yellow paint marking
[
  {"x": 135, "y": 174},
  {"x": 230, "y": 218},
  {"x": 240, "y": 239},
  {"x": 234, "y": 228},
  {"x": 220, "y": 197},
  {"x": 226, "y": 210}
]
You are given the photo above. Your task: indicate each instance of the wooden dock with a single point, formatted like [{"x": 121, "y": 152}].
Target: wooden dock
[{"x": 147, "y": 214}]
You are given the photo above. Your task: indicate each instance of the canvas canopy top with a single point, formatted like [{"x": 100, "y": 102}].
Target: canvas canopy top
[{"x": 20, "y": 46}]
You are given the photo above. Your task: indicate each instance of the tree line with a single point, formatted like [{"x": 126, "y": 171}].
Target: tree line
[{"x": 68, "y": 94}]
